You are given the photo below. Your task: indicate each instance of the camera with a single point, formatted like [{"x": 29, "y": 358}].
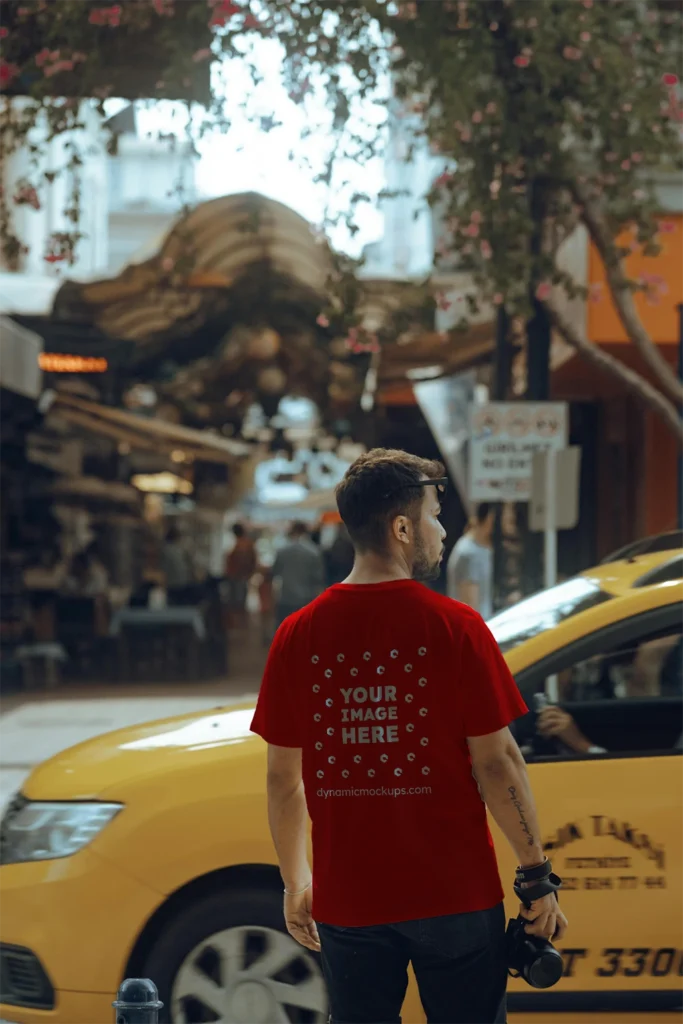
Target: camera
[{"x": 532, "y": 958}]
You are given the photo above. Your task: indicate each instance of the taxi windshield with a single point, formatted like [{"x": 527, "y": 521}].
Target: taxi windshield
[{"x": 545, "y": 610}]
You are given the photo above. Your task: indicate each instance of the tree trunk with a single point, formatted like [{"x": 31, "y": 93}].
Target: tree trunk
[{"x": 633, "y": 381}]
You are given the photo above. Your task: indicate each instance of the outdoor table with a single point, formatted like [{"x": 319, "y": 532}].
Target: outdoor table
[{"x": 175, "y": 634}]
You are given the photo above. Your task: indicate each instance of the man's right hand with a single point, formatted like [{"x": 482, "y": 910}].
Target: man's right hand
[{"x": 545, "y": 918}]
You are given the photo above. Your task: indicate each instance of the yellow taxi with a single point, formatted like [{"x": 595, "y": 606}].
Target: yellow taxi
[{"x": 146, "y": 853}]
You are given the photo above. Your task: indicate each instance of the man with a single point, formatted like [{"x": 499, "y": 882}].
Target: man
[
  {"x": 300, "y": 569},
  {"x": 378, "y": 701},
  {"x": 239, "y": 568},
  {"x": 470, "y": 567}
]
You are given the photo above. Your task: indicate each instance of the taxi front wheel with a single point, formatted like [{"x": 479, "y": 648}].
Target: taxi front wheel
[{"x": 227, "y": 958}]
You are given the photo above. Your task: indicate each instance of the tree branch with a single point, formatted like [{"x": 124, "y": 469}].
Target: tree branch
[
  {"x": 637, "y": 385},
  {"x": 623, "y": 297}
]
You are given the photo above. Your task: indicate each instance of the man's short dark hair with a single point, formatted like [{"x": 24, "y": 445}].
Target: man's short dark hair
[
  {"x": 379, "y": 486},
  {"x": 482, "y": 512},
  {"x": 238, "y": 530},
  {"x": 298, "y": 529}
]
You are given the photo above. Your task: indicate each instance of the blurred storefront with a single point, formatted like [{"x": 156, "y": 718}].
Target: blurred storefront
[{"x": 634, "y": 485}]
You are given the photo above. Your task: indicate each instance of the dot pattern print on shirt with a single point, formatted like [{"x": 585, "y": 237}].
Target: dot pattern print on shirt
[{"x": 363, "y": 702}]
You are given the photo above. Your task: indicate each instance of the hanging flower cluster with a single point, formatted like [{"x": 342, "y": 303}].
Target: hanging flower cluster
[{"x": 529, "y": 103}]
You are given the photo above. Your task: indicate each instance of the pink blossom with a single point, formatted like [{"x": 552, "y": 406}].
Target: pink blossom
[
  {"x": 477, "y": 117},
  {"x": 164, "y": 8},
  {"x": 465, "y": 135},
  {"x": 203, "y": 54},
  {"x": 467, "y": 249},
  {"x": 595, "y": 292},
  {"x": 572, "y": 53},
  {"x": 472, "y": 231},
  {"x": 669, "y": 78},
  {"x": 491, "y": 107},
  {"x": 251, "y": 22},
  {"x": 42, "y": 57},
  {"x": 222, "y": 12},
  {"x": 493, "y": 26},
  {"x": 475, "y": 217},
  {"x": 585, "y": 37},
  {"x": 520, "y": 61},
  {"x": 625, "y": 165},
  {"x": 486, "y": 250},
  {"x": 4, "y": 32},
  {"x": 322, "y": 320},
  {"x": 443, "y": 302},
  {"x": 494, "y": 189},
  {"x": 443, "y": 179},
  {"x": 544, "y": 291},
  {"x": 27, "y": 196},
  {"x": 8, "y": 72},
  {"x": 106, "y": 16},
  {"x": 627, "y": 107},
  {"x": 61, "y": 65},
  {"x": 636, "y": 157},
  {"x": 666, "y": 227},
  {"x": 498, "y": 299},
  {"x": 587, "y": 3}
]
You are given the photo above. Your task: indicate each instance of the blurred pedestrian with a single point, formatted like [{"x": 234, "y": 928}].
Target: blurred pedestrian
[
  {"x": 239, "y": 568},
  {"x": 339, "y": 557},
  {"x": 300, "y": 570},
  {"x": 178, "y": 570},
  {"x": 470, "y": 566}
]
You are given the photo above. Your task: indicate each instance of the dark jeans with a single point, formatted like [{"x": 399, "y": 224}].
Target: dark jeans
[{"x": 459, "y": 962}]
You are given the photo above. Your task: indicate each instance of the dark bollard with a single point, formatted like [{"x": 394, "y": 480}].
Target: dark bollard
[{"x": 138, "y": 1002}]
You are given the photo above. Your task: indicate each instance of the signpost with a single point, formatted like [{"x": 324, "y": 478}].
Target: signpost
[
  {"x": 518, "y": 452},
  {"x": 503, "y": 439},
  {"x": 554, "y": 501}
]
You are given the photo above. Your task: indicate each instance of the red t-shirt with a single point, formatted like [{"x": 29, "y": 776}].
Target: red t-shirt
[{"x": 380, "y": 685}]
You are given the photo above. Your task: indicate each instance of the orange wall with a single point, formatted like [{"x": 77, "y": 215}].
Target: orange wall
[{"x": 659, "y": 317}]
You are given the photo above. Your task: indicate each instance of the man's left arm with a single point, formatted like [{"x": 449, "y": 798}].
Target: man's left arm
[{"x": 288, "y": 819}]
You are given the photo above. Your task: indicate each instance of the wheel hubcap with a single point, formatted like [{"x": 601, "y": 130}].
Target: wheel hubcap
[{"x": 249, "y": 975}]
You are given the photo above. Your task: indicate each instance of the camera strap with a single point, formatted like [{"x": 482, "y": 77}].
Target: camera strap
[{"x": 543, "y": 887}]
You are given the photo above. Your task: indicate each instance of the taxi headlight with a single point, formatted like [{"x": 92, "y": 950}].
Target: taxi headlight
[{"x": 33, "y": 830}]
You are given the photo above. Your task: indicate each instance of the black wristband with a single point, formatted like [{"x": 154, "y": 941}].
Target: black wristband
[
  {"x": 545, "y": 887},
  {"x": 534, "y": 874}
]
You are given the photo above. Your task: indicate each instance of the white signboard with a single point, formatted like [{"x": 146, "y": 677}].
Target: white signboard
[{"x": 503, "y": 439}]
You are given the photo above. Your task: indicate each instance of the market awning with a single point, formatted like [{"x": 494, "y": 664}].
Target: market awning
[
  {"x": 433, "y": 355},
  {"x": 208, "y": 251},
  {"x": 147, "y": 434}
]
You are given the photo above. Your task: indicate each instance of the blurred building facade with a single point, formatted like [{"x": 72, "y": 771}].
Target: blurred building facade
[{"x": 629, "y": 479}]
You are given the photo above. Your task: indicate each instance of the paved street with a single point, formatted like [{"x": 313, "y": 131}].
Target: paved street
[{"x": 36, "y": 726}]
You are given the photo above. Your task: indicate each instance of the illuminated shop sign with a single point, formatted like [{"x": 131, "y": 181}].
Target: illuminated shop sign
[{"x": 53, "y": 362}]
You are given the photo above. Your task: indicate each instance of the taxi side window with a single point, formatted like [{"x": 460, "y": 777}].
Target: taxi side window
[
  {"x": 625, "y": 700},
  {"x": 651, "y": 668}
]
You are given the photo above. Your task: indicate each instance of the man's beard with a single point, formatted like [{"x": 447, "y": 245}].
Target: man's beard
[{"x": 423, "y": 569}]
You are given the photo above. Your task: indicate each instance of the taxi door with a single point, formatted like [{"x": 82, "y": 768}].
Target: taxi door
[{"x": 613, "y": 828}]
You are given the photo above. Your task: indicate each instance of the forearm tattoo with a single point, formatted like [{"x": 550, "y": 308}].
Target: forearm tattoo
[{"x": 523, "y": 823}]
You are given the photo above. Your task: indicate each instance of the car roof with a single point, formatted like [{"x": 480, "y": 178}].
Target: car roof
[
  {"x": 672, "y": 540},
  {"x": 617, "y": 578}
]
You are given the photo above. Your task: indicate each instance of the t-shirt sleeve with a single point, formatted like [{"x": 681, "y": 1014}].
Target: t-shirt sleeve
[
  {"x": 490, "y": 697},
  {"x": 278, "y": 718},
  {"x": 468, "y": 568}
]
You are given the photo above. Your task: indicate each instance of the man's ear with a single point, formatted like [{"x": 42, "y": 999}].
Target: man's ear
[{"x": 401, "y": 529}]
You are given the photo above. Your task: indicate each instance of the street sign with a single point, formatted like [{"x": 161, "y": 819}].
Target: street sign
[
  {"x": 565, "y": 513},
  {"x": 503, "y": 439}
]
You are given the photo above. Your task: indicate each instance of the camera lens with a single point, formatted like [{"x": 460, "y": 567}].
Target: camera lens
[{"x": 545, "y": 970}]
